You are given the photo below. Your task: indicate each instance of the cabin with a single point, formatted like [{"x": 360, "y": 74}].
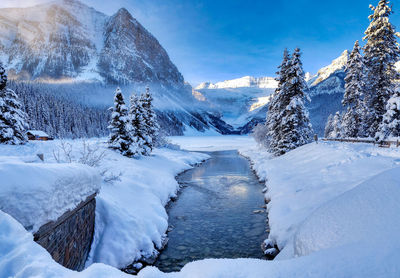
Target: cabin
[{"x": 38, "y": 135}]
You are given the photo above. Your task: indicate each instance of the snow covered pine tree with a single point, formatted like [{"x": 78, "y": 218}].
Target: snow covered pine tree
[
  {"x": 120, "y": 127},
  {"x": 13, "y": 120},
  {"x": 336, "y": 128},
  {"x": 353, "y": 96},
  {"x": 381, "y": 53},
  {"x": 293, "y": 128},
  {"x": 137, "y": 122},
  {"x": 150, "y": 119},
  {"x": 272, "y": 136},
  {"x": 328, "y": 126}
]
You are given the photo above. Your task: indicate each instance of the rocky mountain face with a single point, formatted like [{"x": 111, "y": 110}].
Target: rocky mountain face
[
  {"x": 67, "y": 39},
  {"x": 131, "y": 53}
]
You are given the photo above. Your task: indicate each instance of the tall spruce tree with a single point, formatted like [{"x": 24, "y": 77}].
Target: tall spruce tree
[
  {"x": 293, "y": 128},
  {"x": 138, "y": 128},
  {"x": 328, "y": 127},
  {"x": 381, "y": 52},
  {"x": 120, "y": 127},
  {"x": 336, "y": 126},
  {"x": 272, "y": 137},
  {"x": 145, "y": 125},
  {"x": 150, "y": 118},
  {"x": 13, "y": 120},
  {"x": 353, "y": 97}
]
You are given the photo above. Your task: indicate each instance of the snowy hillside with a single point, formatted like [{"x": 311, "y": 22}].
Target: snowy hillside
[{"x": 65, "y": 39}]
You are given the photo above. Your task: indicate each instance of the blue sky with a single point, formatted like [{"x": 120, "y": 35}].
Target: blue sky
[{"x": 215, "y": 40}]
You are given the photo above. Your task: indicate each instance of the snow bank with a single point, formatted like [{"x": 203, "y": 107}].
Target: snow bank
[
  {"x": 130, "y": 216},
  {"x": 36, "y": 193},
  {"x": 309, "y": 177},
  {"x": 21, "y": 257},
  {"x": 368, "y": 213},
  {"x": 131, "y": 220}
]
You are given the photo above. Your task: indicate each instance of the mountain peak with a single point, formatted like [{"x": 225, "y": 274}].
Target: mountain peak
[
  {"x": 124, "y": 12},
  {"x": 338, "y": 64},
  {"x": 37, "y": 45}
]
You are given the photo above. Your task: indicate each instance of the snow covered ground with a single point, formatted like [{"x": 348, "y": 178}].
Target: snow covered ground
[
  {"x": 130, "y": 216},
  {"x": 37, "y": 193},
  {"x": 334, "y": 212}
]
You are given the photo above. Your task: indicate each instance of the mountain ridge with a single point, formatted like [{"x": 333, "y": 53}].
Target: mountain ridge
[{"x": 67, "y": 39}]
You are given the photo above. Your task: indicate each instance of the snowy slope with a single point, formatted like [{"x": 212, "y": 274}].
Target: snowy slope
[{"x": 314, "y": 175}]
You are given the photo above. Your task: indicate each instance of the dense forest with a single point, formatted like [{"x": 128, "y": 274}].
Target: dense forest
[{"x": 59, "y": 114}]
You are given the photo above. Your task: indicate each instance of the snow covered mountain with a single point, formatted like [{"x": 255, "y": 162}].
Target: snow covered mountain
[
  {"x": 66, "y": 39},
  {"x": 69, "y": 44},
  {"x": 243, "y": 101},
  {"x": 339, "y": 64},
  {"x": 244, "y": 82}
]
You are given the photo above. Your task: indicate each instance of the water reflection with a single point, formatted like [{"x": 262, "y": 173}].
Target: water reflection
[{"x": 213, "y": 217}]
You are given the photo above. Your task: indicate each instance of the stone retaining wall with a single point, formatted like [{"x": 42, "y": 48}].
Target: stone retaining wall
[{"x": 69, "y": 238}]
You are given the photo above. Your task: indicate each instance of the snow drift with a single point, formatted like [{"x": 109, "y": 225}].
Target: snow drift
[{"x": 36, "y": 193}]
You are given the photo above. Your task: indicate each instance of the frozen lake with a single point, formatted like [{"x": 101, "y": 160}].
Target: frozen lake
[{"x": 213, "y": 216}]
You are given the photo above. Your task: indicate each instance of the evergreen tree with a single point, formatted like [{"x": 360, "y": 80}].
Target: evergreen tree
[
  {"x": 13, "y": 120},
  {"x": 137, "y": 122},
  {"x": 120, "y": 127},
  {"x": 390, "y": 126},
  {"x": 275, "y": 104},
  {"x": 293, "y": 128},
  {"x": 150, "y": 118},
  {"x": 329, "y": 127},
  {"x": 381, "y": 53},
  {"x": 336, "y": 128},
  {"x": 353, "y": 96}
]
